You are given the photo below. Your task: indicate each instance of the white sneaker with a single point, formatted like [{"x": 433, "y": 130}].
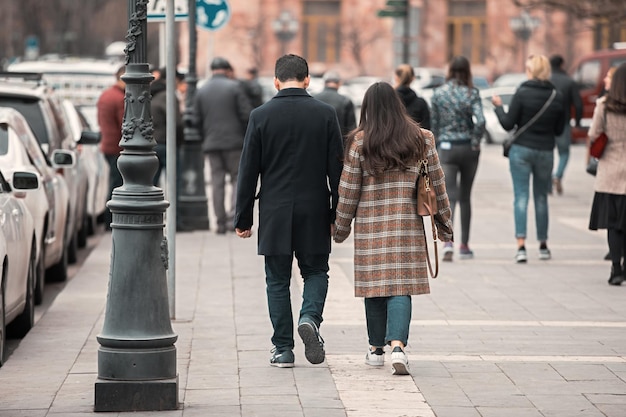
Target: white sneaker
[
  {"x": 375, "y": 357},
  {"x": 520, "y": 256},
  {"x": 399, "y": 362}
]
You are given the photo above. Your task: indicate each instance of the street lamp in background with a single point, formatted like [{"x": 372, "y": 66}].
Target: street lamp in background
[
  {"x": 285, "y": 28},
  {"x": 137, "y": 356},
  {"x": 192, "y": 201},
  {"x": 523, "y": 27}
]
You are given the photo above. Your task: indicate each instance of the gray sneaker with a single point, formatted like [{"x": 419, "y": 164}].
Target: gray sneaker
[
  {"x": 282, "y": 359},
  {"x": 544, "y": 254},
  {"x": 313, "y": 342}
]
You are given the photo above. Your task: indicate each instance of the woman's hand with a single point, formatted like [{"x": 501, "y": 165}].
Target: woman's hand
[{"x": 496, "y": 101}]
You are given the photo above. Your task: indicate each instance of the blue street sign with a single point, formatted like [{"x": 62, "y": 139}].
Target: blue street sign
[{"x": 212, "y": 14}]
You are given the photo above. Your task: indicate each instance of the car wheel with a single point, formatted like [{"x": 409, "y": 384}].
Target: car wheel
[
  {"x": 3, "y": 335},
  {"x": 83, "y": 232},
  {"x": 26, "y": 320},
  {"x": 72, "y": 249},
  {"x": 40, "y": 278},
  {"x": 58, "y": 271}
]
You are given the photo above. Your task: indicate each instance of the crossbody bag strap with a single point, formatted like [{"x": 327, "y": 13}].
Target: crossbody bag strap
[{"x": 536, "y": 116}]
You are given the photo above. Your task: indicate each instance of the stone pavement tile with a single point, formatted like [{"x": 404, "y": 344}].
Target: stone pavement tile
[
  {"x": 611, "y": 410},
  {"x": 584, "y": 372},
  {"x": 76, "y": 394},
  {"x": 564, "y": 405},
  {"x": 275, "y": 396},
  {"x": 324, "y": 412},
  {"x": 508, "y": 411},
  {"x": 24, "y": 413},
  {"x": 216, "y": 396},
  {"x": 442, "y": 392},
  {"x": 209, "y": 410},
  {"x": 616, "y": 387},
  {"x": 211, "y": 381},
  {"x": 608, "y": 399},
  {"x": 452, "y": 411},
  {"x": 272, "y": 377},
  {"x": 273, "y": 410},
  {"x": 425, "y": 369}
]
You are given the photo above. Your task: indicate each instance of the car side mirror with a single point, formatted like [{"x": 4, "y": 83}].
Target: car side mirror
[
  {"x": 62, "y": 158},
  {"x": 88, "y": 137},
  {"x": 22, "y": 181}
]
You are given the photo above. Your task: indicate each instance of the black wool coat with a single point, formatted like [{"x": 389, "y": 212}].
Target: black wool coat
[{"x": 293, "y": 144}]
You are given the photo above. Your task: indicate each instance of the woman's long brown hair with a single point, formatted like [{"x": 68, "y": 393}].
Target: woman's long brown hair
[
  {"x": 616, "y": 96},
  {"x": 391, "y": 139}
]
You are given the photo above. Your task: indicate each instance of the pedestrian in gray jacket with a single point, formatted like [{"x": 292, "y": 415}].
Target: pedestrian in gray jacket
[{"x": 222, "y": 110}]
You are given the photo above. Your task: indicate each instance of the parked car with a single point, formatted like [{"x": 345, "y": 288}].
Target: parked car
[
  {"x": 589, "y": 73},
  {"x": 427, "y": 78},
  {"x": 17, "y": 256},
  {"x": 42, "y": 109},
  {"x": 494, "y": 133},
  {"x": 513, "y": 79},
  {"x": 93, "y": 165},
  {"x": 49, "y": 204}
]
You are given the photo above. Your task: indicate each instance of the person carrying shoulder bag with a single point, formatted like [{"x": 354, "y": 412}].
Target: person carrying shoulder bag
[{"x": 532, "y": 152}]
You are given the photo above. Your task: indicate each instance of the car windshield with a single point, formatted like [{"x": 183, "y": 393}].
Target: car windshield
[{"x": 30, "y": 110}]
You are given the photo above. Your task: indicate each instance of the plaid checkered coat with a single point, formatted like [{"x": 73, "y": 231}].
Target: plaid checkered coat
[{"x": 389, "y": 251}]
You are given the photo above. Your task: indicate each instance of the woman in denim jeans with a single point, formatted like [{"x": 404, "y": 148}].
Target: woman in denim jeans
[{"x": 532, "y": 151}]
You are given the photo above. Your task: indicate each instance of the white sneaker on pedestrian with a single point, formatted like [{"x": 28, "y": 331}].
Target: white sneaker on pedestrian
[
  {"x": 399, "y": 362},
  {"x": 520, "y": 256},
  {"x": 375, "y": 357}
]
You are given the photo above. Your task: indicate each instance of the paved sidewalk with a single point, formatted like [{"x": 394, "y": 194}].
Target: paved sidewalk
[{"x": 493, "y": 339}]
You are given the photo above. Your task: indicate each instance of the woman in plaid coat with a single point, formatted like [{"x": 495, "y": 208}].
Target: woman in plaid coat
[{"x": 378, "y": 190}]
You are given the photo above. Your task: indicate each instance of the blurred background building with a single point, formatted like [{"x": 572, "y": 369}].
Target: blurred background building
[{"x": 345, "y": 35}]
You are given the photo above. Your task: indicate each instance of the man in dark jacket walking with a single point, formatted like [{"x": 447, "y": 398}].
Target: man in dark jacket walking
[
  {"x": 294, "y": 144},
  {"x": 571, "y": 97},
  {"x": 222, "y": 110},
  {"x": 342, "y": 104}
]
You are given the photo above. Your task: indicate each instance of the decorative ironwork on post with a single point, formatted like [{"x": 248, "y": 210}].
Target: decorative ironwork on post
[
  {"x": 137, "y": 356},
  {"x": 193, "y": 209}
]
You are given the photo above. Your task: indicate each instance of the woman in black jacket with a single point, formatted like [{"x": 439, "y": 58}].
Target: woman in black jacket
[
  {"x": 532, "y": 153},
  {"x": 415, "y": 105}
]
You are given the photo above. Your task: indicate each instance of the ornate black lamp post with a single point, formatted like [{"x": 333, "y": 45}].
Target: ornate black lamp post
[
  {"x": 285, "y": 28},
  {"x": 137, "y": 356},
  {"x": 193, "y": 208},
  {"x": 523, "y": 27}
]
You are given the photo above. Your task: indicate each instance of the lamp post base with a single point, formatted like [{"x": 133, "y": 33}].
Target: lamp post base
[{"x": 156, "y": 395}]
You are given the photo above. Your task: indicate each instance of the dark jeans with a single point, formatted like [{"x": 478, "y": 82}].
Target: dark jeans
[
  {"x": 314, "y": 271},
  {"x": 563, "y": 142},
  {"x": 222, "y": 163},
  {"x": 160, "y": 150},
  {"x": 115, "y": 180},
  {"x": 388, "y": 318},
  {"x": 459, "y": 165}
]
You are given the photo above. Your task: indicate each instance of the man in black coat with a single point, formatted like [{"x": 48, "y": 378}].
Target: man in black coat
[
  {"x": 342, "y": 104},
  {"x": 293, "y": 142},
  {"x": 571, "y": 97}
]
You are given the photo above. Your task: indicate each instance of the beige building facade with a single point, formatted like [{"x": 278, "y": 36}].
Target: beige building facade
[{"x": 348, "y": 35}]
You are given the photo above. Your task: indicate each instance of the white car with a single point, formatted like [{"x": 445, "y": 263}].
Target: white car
[
  {"x": 93, "y": 165},
  {"x": 18, "y": 246},
  {"x": 494, "y": 133},
  {"x": 49, "y": 205}
]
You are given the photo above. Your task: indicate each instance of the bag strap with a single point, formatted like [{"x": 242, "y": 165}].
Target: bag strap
[
  {"x": 429, "y": 206},
  {"x": 536, "y": 116}
]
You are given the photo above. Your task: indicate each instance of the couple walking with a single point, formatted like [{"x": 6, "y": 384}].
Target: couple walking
[{"x": 294, "y": 144}]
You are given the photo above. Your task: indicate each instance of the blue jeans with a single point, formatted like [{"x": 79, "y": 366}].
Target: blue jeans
[
  {"x": 314, "y": 271},
  {"x": 524, "y": 162},
  {"x": 388, "y": 318},
  {"x": 563, "y": 142}
]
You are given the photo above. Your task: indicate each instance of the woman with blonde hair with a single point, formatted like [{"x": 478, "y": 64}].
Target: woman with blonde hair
[
  {"x": 536, "y": 110},
  {"x": 415, "y": 106}
]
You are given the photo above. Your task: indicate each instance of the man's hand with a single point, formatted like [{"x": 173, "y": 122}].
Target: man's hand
[{"x": 244, "y": 234}]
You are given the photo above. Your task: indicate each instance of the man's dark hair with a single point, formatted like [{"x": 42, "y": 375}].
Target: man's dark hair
[
  {"x": 556, "y": 61},
  {"x": 291, "y": 67}
]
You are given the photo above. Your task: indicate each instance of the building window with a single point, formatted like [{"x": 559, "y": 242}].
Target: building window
[
  {"x": 605, "y": 34},
  {"x": 321, "y": 31},
  {"x": 467, "y": 29}
]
